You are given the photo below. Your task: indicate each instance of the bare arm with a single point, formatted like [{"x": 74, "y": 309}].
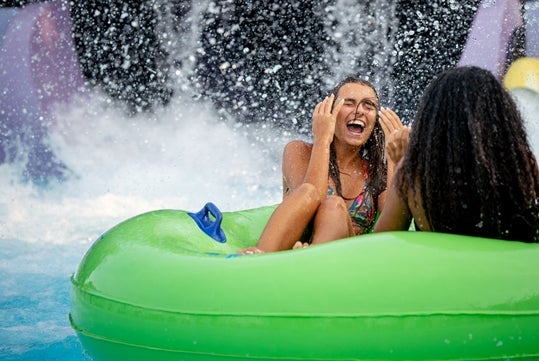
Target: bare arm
[
  {"x": 296, "y": 156},
  {"x": 306, "y": 166},
  {"x": 396, "y": 215},
  {"x": 396, "y": 142},
  {"x": 304, "y": 163}
]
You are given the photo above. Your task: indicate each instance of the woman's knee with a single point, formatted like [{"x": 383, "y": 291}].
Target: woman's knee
[
  {"x": 333, "y": 203},
  {"x": 309, "y": 193},
  {"x": 332, "y": 221}
]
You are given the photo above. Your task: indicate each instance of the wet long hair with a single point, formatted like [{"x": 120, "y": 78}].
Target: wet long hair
[
  {"x": 470, "y": 160},
  {"x": 372, "y": 151}
]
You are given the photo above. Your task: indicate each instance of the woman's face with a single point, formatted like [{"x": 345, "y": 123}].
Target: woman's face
[{"x": 357, "y": 117}]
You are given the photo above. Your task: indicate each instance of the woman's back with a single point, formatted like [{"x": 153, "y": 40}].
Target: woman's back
[{"x": 468, "y": 161}]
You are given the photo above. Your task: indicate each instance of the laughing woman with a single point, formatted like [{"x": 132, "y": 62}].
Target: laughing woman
[{"x": 334, "y": 187}]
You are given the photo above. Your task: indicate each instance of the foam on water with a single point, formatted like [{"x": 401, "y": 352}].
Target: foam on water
[{"x": 179, "y": 157}]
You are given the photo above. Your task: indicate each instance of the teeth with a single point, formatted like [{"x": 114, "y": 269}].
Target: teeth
[{"x": 358, "y": 122}]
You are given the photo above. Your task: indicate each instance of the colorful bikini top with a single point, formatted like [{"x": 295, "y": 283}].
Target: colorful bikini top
[{"x": 363, "y": 208}]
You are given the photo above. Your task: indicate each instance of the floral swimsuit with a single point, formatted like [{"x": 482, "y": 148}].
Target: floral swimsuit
[{"x": 363, "y": 209}]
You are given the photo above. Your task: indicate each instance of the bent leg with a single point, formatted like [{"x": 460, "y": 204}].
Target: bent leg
[
  {"x": 287, "y": 223},
  {"x": 332, "y": 221}
]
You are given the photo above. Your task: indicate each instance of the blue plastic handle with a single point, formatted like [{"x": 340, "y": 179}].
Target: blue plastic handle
[{"x": 210, "y": 226}]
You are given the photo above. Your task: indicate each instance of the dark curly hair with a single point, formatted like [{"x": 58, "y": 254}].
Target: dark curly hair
[
  {"x": 469, "y": 159},
  {"x": 372, "y": 151}
]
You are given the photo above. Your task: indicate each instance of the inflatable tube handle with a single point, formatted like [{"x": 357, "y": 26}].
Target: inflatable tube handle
[{"x": 210, "y": 226}]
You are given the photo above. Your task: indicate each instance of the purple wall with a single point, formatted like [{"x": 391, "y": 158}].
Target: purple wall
[
  {"x": 488, "y": 40},
  {"x": 38, "y": 69}
]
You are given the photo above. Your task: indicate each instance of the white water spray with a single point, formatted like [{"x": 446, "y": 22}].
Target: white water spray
[{"x": 180, "y": 157}]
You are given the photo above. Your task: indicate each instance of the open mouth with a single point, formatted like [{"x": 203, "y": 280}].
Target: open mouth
[{"x": 356, "y": 126}]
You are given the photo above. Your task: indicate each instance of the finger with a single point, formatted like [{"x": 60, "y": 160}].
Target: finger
[
  {"x": 338, "y": 106},
  {"x": 384, "y": 123},
  {"x": 391, "y": 118},
  {"x": 390, "y": 148},
  {"x": 396, "y": 120},
  {"x": 390, "y": 113},
  {"x": 392, "y": 121},
  {"x": 405, "y": 135},
  {"x": 317, "y": 108},
  {"x": 396, "y": 137},
  {"x": 404, "y": 132},
  {"x": 328, "y": 104}
]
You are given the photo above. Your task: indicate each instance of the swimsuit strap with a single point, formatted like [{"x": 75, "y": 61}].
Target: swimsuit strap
[
  {"x": 363, "y": 208},
  {"x": 331, "y": 191},
  {"x": 366, "y": 177}
]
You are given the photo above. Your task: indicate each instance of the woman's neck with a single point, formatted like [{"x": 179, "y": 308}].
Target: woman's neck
[{"x": 348, "y": 158}]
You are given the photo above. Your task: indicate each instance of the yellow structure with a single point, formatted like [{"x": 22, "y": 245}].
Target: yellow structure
[{"x": 523, "y": 73}]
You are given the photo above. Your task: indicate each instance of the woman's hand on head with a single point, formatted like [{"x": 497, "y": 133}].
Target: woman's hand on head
[
  {"x": 324, "y": 119},
  {"x": 396, "y": 134}
]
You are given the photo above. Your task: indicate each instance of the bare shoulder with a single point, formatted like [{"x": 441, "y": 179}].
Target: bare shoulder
[
  {"x": 298, "y": 145},
  {"x": 296, "y": 156},
  {"x": 298, "y": 148}
]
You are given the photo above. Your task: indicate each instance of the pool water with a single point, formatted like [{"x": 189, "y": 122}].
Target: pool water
[{"x": 34, "y": 301}]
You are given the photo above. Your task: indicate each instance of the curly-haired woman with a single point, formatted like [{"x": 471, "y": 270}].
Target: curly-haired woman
[{"x": 468, "y": 168}]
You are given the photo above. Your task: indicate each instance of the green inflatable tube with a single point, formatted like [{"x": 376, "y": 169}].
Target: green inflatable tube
[{"x": 157, "y": 287}]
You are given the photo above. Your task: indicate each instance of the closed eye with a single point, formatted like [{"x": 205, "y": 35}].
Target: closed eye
[{"x": 369, "y": 105}]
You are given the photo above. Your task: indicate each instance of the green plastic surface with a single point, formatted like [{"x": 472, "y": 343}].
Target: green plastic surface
[{"x": 157, "y": 288}]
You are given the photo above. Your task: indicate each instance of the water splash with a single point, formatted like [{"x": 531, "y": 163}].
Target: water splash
[
  {"x": 361, "y": 41},
  {"x": 180, "y": 157}
]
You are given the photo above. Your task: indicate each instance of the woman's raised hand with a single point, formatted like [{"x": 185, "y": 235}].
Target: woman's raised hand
[
  {"x": 396, "y": 134},
  {"x": 324, "y": 119}
]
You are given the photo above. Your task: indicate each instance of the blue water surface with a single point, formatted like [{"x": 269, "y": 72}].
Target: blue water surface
[{"x": 34, "y": 301}]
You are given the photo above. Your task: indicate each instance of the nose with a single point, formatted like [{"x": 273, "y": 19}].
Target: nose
[{"x": 359, "y": 109}]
